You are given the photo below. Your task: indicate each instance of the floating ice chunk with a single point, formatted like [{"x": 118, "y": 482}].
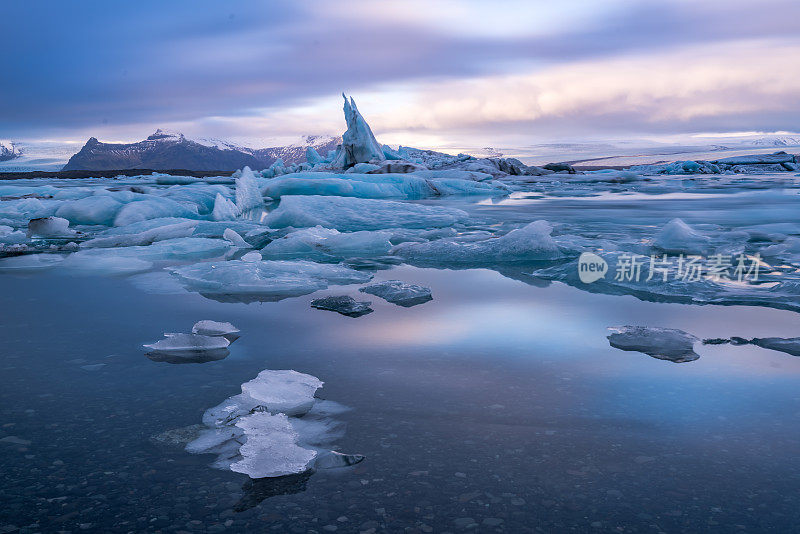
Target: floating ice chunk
[
  {"x": 532, "y": 242},
  {"x": 344, "y": 305},
  {"x": 248, "y": 195},
  {"x": 105, "y": 264},
  {"x": 312, "y": 156},
  {"x": 207, "y": 327},
  {"x": 224, "y": 209},
  {"x": 99, "y": 209},
  {"x": 400, "y": 293},
  {"x": 271, "y": 448},
  {"x": 252, "y": 256},
  {"x": 679, "y": 238},
  {"x": 333, "y": 459},
  {"x": 265, "y": 280},
  {"x": 284, "y": 391},
  {"x": 350, "y": 214},
  {"x": 9, "y": 236},
  {"x": 184, "y": 342},
  {"x": 235, "y": 239},
  {"x": 182, "y": 248},
  {"x": 358, "y": 142},
  {"x": 27, "y": 208},
  {"x": 50, "y": 227},
  {"x": 662, "y": 343},
  {"x": 30, "y": 262},
  {"x": 777, "y": 157},
  {"x": 324, "y": 244},
  {"x": 147, "y": 237},
  {"x": 153, "y": 208}
]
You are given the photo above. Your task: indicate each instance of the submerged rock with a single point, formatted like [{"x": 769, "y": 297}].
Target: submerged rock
[
  {"x": 662, "y": 343},
  {"x": 344, "y": 305},
  {"x": 400, "y": 293}
]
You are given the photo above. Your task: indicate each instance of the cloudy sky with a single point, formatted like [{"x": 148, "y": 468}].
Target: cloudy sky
[{"x": 423, "y": 73}]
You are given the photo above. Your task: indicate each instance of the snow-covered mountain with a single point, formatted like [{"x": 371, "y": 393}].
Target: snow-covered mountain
[
  {"x": 8, "y": 151},
  {"x": 774, "y": 141},
  {"x": 165, "y": 150}
]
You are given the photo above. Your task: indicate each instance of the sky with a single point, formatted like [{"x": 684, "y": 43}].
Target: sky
[{"x": 424, "y": 73}]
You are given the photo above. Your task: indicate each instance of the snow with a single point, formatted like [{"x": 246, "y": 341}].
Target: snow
[
  {"x": 265, "y": 280},
  {"x": 532, "y": 242},
  {"x": 662, "y": 343},
  {"x": 248, "y": 195},
  {"x": 352, "y": 214},
  {"x": 400, "y": 293}
]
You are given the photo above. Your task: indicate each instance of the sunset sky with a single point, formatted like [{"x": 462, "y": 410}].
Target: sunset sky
[{"x": 423, "y": 73}]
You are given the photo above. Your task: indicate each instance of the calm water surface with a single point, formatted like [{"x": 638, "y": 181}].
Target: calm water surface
[{"x": 498, "y": 406}]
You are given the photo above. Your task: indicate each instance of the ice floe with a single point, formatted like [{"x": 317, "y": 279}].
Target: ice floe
[
  {"x": 399, "y": 292},
  {"x": 246, "y": 281},
  {"x": 260, "y": 433},
  {"x": 352, "y": 214},
  {"x": 344, "y": 305},
  {"x": 327, "y": 244},
  {"x": 208, "y": 327},
  {"x": 662, "y": 343},
  {"x": 532, "y": 242}
]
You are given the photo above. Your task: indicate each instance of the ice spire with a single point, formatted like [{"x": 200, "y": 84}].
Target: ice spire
[{"x": 358, "y": 142}]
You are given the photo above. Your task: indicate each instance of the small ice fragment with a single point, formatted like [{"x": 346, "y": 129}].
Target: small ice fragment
[
  {"x": 224, "y": 209},
  {"x": 181, "y": 342},
  {"x": 662, "y": 343},
  {"x": 235, "y": 239},
  {"x": 344, "y": 305},
  {"x": 252, "y": 256},
  {"x": 284, "y": 391},
  {"x": 678, "y": 237},
  {"x": 271, "y": 448},
  {"x": 50, "y": 227},
  {"x": 333, "y": 459},
  {"x": 214, "y": 328},
  {"x": 398, "y": 292}
]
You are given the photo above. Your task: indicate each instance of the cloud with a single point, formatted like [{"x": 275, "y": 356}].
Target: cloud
[{"x": 81, "y": 68}]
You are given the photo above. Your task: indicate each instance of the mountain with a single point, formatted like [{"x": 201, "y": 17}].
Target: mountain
[
  {"x": 774, "y": 141},
  {"x": 8, "y": 151},
  {"x": 166, "y": 151}
]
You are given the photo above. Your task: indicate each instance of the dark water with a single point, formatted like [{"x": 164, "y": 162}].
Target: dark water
[{"x": 498, "y": 406}]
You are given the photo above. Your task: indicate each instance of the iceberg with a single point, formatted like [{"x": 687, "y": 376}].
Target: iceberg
[
  {"x": 265, "y": 280},
  {"x": 327, "y": 244},
  {"x": 358, "y": 142},
  {"x": 152, "y": 208},
  {"x": 532, "y": 242},
  {"x": 248, "y": 195},
  {"x": 50, "y": 227},
  {"x": 662, "y": 343},
  {"x": 271, "y": 448},
  {"x": 678, "y": 237},
  {"x": 144, "y": 238},
  {"x": 224, "y": 209},
  {"x": 352, "y": 214},
  {"x": 344, "y": 305},
  {"x": 398, "y": 292}
]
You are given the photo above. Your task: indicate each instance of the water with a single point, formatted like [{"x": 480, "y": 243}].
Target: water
[{"x": 500, "y": 403}]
